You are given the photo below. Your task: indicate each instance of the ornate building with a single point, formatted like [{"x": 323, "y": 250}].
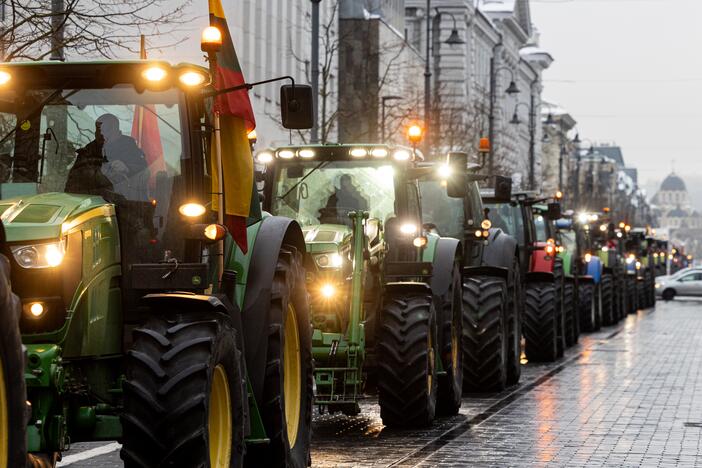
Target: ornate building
[{"x": 676, "y": 213}]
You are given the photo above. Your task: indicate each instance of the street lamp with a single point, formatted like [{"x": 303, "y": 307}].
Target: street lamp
[
  {"x": 453, "y": 39},
  {"x": 383, "y": 100},
  {"x": 532, "y": 139},
  {"x": 511, "y": 90}
]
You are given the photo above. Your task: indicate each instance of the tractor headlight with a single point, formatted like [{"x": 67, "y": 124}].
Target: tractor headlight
[
  {"x": 658, "y": 285},
  {"x": 408, "y": 228},
  {"x": 588, "y": 257},
  {"x": 328, "y": 290},
  {"x": 333, "y": 260},
  {"x": 39, "y": 255}
]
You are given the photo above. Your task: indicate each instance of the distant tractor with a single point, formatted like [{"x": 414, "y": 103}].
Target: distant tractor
[
  {"x": 142, "y": 319},
  {"x": 493, "y": 302},
  {"x": 385, "y": 293},
  {"x": 541, "y": 270}
]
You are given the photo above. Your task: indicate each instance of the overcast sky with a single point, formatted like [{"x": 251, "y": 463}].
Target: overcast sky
[{"x": 630, "y": 72}]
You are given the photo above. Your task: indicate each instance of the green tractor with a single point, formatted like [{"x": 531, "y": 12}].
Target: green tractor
[
  {"x": 570, "y": 251},
  {"x": 385, "y": 295},
  {"x": 492, "y": 294},
  {"x": 12, "y": 389},
  {"x": 143, "y": 321}
]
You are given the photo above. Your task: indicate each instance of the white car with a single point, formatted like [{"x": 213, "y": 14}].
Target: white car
[{"x": 687, "y": 282}]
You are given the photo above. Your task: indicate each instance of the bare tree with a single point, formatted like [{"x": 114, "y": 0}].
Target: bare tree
[{"x": 89, "y": 28}]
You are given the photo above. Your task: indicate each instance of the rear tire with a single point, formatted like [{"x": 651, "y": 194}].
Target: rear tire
[
  {"x": 449, "y": 310},
  {"x": 559, "y": 286},
  {"x": 609, "y": 316},
  {"x": 13, "y": 396},
  {"x": 541, "y": 323},
  {"x": 286, "y": 408},
  {"x": 183, "y": 373},
  {"x": 407, "y": 376},
  {"x": 571, "y": 312},
  {"x": 630, "y": 287},
  {"x": 587, "y": 307},
  {"x": 485, "y": 345},
  {"x": 514, "y": 324}
]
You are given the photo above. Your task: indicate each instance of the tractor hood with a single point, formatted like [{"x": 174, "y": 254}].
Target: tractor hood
[
  {"x": 45, "y": 216},
  {"x": 326, "y": 237}
]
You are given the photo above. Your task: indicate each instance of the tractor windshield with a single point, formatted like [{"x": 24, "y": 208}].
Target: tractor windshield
[
  {"x": 325, "y": 193},
  {"x": 541, "y": 228},
  {"x": 446, "y": 213},
  {"x": 117, "y": 143},
  {"x": 507, "y": 217}
]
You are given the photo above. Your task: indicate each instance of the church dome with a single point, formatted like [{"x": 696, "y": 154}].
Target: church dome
[
  {"x": 673, "y": 183},
  {"x": 677, "y": 213}
]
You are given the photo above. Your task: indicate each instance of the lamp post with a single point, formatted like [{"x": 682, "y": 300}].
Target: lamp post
[
  {"x": 453, "y": 39},
  {"x": 511, "y": 89},
  {"x": 383, "y": 100},
  {"x": 532, "y": 138},
  {"x": 576, "y": 190}
]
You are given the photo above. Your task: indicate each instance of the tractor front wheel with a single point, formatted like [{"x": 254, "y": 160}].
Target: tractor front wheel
[
  {"x": 514, "y": 324},
  {"x": 286, "y": 409},
  {"x": 13, "y": 450},
  {"x": 541, "y": 323},
  {"x": 609, "y": 315},
  {"x": 571, "y": 312},
  {"x": 184, "y": 393},
  {"x": 449, "y": 309},
  {"x": 407, "y": 374},
  {"x": 485, "y": 334},
  {"x": 588, "y": 307}
]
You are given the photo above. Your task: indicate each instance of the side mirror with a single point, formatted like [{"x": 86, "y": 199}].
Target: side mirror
[
  {"x": 457, "y": 182},
  {"x": 553, "y": 211},
  {"x": 297, "y": 107},
  {"x": 372, "y": 229},
  {"x": 503, "y": 189}
]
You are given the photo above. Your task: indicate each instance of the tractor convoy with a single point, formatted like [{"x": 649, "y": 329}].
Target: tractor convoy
[{"x": 132, "y": 311}]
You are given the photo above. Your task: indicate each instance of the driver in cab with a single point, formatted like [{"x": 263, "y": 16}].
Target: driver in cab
[{"x": 345, "y": 199}]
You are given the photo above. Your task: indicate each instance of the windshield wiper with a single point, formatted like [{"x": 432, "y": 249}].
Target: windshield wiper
[
  {"x": 318, "y": 166},
  {"x": 37, "y": 110}
]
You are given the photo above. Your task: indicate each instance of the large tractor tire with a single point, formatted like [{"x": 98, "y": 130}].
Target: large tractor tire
[
  {"x": 559, "y": 285},
  {"x": 514, "y": 326},
  {"x": 485, "y": 335},
  {"x": 587, "y": 307},
  {"x": 450, "y": 315},
  {"x": 184, "y": 393},
  {"x": 571, "y": 315},
  {"x": 13, "y": 396},
  {"x": 407, "y": 374},
  {"x": 609, "y": 314},
  {"x": 641, "y": 296},
  {"x": 288, "y": 393},
  {"x": 541, "y": 323},
  {"x": 620, "y": 293},
  {"x": 630, "y": 287}
]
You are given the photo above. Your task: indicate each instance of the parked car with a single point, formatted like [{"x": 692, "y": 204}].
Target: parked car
[{"x": 687, "y": 282}]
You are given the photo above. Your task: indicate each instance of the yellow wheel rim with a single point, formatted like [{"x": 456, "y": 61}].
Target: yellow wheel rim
[
  {"x": 292, "y": 380},
  {"x": 454, "y": 348},
  {"x": 4, "y": 421},
  {"x": 220, "y": 420}
]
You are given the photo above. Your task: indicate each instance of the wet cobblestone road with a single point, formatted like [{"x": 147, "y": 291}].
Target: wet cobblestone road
[{"x": 630, "y": 395}]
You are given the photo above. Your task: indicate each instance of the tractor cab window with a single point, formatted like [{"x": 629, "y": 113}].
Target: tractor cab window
[
  {"x": 439, "y": 209},
  {"x": 568, "y": 239},
  {"x": 122, "y": 145},
  {"x": 315, "y": 192},
  {"x": 541, "y": 228},
  {"x": 507, "y": 217}
]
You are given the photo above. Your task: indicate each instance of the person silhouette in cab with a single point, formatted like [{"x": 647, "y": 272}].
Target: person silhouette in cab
[{"x": 345, "y": 199}]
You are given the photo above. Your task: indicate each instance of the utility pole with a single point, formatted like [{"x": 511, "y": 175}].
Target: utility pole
[
  {"x": 57, "y": 28},
  {"x": 315, "y": 69},
  {"x": 428, "y": 134}
]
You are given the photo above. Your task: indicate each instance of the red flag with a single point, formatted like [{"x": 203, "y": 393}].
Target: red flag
[{"x": 146, "y": 133}]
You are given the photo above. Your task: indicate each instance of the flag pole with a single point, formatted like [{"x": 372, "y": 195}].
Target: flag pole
[{"x": 220, "y": 190}]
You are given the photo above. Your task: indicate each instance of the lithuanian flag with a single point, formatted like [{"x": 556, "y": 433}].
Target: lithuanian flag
[
  {"x": 236, "y": 121},
  {"x": 146, "y": 133}
]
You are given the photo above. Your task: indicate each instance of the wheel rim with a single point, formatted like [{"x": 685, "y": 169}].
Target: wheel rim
[
  {"x": 454, "y": 348},
  {"x": 220, "y": 420},
  {"x": 292, "y": 381},
  {"x": 4, "y": 420}
]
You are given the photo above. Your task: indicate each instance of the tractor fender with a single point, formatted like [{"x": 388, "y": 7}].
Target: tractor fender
[
  {"x": 594, "y": 269},
  {"x": 499, "y": 252},
  {"x": 445, "y": 256},
  {"x": 273, "y": 233},
  {"x": 404, "y": 287},
  {"x": 540, "y": 277},
  {"x": 493, "y": 271}
]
